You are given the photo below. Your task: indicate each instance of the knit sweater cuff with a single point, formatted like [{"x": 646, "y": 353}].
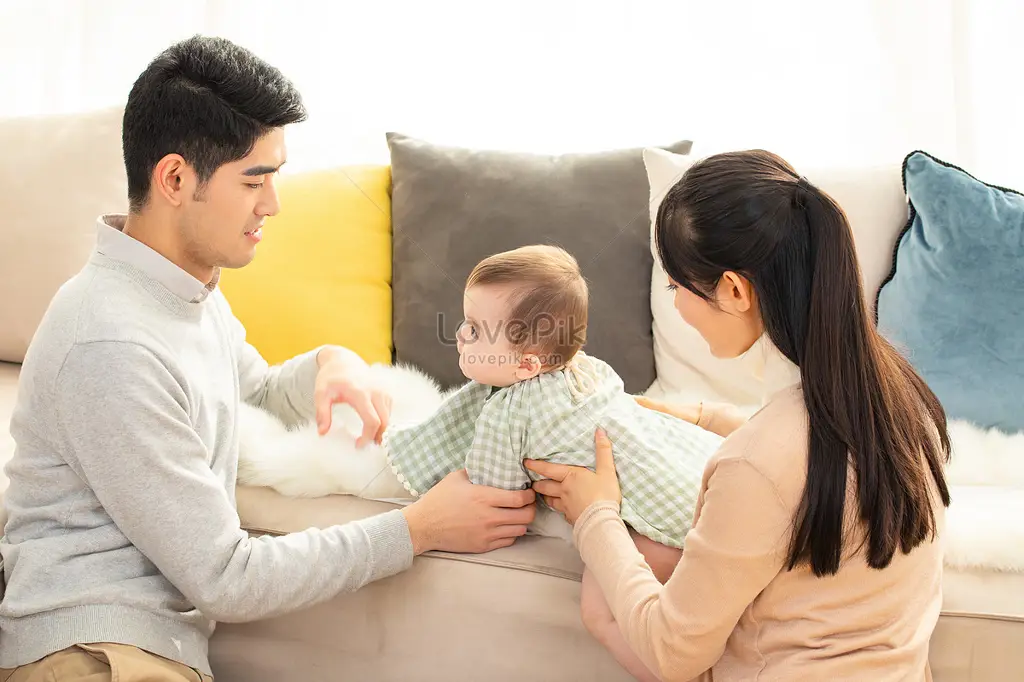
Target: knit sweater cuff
[
  {"x": 390, "y": 544},
  {"x": 592, "y": 516}
]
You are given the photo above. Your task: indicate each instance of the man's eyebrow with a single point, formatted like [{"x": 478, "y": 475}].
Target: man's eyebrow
[{"x": 260, "y": 170}]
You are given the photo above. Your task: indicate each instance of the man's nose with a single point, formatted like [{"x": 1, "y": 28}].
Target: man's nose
[{"x": 270, "y": 203}]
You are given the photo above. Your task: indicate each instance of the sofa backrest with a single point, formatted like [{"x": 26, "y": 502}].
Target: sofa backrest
[
  {"x": 58, "y": 175},
  {"x": 77, "y": 158}
]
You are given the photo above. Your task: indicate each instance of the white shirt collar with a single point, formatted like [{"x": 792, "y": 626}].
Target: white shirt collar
[{"x": 112, "y": 242}]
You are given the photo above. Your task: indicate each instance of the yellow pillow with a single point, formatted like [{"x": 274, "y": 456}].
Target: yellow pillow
[{"x": 322, "y": 273}]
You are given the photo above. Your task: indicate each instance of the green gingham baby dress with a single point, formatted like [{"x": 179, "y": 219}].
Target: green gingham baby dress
[{"x": 490, "y": 431}]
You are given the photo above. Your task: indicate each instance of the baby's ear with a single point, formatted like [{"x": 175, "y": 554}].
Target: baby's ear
[{"x": 529, "y": 367}]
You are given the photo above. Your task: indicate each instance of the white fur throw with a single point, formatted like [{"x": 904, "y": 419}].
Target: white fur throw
[{"x": 985, "y": 519}]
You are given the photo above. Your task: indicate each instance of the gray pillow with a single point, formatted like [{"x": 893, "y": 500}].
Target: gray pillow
[{"x": 452, "y": 207}]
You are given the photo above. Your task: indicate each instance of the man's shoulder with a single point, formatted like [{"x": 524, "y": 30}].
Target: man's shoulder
[
  {"x": 104, "y": 304},
  {"x": 94, "y": 306}
]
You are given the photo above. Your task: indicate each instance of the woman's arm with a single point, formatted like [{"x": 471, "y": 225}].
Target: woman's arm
[
  {"x": 738, "y": 544},
  {"x": 736, "y": 547},
  {"x": 721, "y": 418}
]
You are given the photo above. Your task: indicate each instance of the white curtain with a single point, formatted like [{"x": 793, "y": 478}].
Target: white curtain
[{"x": 822, "y": 82}]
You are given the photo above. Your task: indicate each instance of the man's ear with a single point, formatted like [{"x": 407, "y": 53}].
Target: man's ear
[
  {"x": 172, "y": 178},
  {"x": 735, "y": 294},
  {"x": 529, "y": 367}
]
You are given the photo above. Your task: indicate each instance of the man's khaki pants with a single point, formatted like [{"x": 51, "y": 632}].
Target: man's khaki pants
[{"x": 103, "y": 663}]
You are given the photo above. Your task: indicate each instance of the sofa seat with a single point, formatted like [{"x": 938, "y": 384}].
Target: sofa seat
[
  {"x": 511, "y": 614},
  {"x": 441, "y": 616}
]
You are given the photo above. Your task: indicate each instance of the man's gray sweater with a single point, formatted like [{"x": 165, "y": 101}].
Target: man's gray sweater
[{"x": 122, "y": 522}]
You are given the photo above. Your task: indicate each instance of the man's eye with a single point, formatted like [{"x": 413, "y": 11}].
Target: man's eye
[{"x": 255, "y": 185}]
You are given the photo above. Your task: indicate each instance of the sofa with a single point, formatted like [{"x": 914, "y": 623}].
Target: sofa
[{"x": 510, "y": 614}]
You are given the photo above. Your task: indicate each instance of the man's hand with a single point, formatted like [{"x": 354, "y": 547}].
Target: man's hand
[
  {"x": 342, "y": 379},
  {"x": 458, "y": 516}
]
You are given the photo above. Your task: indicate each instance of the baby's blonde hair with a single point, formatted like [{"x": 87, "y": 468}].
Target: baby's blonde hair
[{"x": 548, "y": 307}]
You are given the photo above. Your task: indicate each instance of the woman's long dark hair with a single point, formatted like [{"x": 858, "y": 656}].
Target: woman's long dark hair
[{"x": 751, "y": 213}]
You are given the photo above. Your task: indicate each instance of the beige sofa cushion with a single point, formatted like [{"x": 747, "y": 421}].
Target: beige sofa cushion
[
  {"x": 511, "y": 614},
  {"x": 440, "y": 621},
  {"x": 59, "y": 174}
]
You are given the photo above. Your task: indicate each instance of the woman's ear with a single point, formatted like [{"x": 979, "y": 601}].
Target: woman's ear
[
  {"x": 529, "y": 367},
  {"x": 736, "y": 294}
]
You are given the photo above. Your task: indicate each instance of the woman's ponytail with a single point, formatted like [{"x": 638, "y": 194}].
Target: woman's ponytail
[{"x": 864, "y": 403}]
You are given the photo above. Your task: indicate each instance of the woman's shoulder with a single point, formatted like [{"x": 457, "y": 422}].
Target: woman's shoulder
[{"x": 774, "y": 441}]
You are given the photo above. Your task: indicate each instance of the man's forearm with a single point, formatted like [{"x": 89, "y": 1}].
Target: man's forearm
[
  {"x": 336, "y": 560},
  {"x": 284, "y": 390}
]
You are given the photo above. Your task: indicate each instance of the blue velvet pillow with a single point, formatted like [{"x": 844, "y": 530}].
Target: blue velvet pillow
[{"x": 954, "y": 301}]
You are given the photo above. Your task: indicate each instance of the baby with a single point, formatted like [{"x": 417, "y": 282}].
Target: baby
[{"x": 533, "y": 394}]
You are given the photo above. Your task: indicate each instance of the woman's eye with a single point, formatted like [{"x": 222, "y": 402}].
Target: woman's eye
[{"x": 672, "y": 287}]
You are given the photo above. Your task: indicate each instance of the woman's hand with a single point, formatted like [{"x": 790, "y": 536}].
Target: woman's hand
[
  {"x": 571, "y": 489},
  {"x": 720, "y": 418},
  {"x": 690, "y": 413}
]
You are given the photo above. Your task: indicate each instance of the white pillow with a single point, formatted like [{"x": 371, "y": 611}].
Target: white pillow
[
  {"x": 686, "y": 369},
  {"x": 875, "y": 204}
]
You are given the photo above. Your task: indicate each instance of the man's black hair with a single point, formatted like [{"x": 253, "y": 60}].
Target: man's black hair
[{"x": 208, "y": 100}]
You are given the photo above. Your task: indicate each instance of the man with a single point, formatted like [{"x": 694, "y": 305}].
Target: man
[{"x": 123, "y": 545}]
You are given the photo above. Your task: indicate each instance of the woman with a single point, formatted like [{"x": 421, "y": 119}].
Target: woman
[{"x": 814, "y": 550}]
